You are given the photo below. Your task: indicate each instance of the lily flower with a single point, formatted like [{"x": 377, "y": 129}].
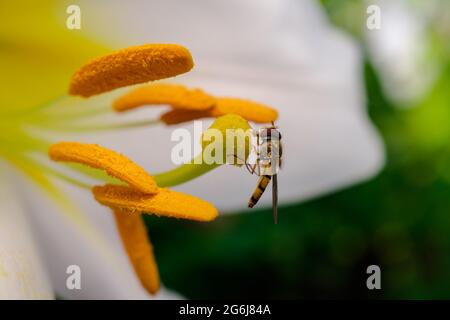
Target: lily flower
[
  {"x": 287, "y": 55},
  {"x": 144, "y": 193}
]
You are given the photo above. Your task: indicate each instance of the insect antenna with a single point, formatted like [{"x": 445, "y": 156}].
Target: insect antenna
[{"x": 249, "y": 167}]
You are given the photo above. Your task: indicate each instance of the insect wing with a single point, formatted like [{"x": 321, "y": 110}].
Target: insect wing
[{"x": 275, "y": 198}]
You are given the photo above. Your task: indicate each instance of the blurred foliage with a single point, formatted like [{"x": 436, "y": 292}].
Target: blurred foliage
[
  {"x": 346, "y": 14},
  {"x": 400, "y": 220}
]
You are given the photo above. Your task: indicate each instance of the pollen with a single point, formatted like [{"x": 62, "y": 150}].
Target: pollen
[
  {"x": 115, "y": 164},
  {"x": 166, "y": 202},
  {"x": 232, "y": 127},
  {"x": 130, "y": 66},
  {"x": 180, "y": 116},
  {"x": 177, "y": 96},
  {"x": 249, "y": 110},
  {"x": 138, "y": 247}
]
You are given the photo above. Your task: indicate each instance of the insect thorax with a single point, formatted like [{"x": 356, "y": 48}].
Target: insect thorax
[{"x": 267, "y": 151}]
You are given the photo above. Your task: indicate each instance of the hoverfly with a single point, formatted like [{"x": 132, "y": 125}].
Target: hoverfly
[{"x": 268, "y": 152}]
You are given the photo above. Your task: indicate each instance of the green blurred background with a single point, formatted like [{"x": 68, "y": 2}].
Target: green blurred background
[{"x": 400, "y": 220}]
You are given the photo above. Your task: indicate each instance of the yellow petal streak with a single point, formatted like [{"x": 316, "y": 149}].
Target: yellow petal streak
[
  {"x": 177, "y": 96},
  {"x": 249, "y": 110},
  {"x": 115, "y": 164},
  {"x": 165, "y": 203},
  {"x": 129, "y": 66},
  {"x": 138, "y": 247}
]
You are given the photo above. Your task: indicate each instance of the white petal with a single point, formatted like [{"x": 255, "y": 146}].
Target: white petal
[
  {"x": 22, "y": 275},
  {"x": 282, "y": 53}
]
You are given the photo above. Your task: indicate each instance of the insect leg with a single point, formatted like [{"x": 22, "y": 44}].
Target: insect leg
[
  {"x": 251, "y": 168},
  {"x": 275, "y": 198}
]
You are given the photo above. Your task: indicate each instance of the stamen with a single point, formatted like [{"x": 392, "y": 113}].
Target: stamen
[
  {"x": 180, "y": 116},
  {"x": 93, "y": 174},
  {"x": 249, "y": 110},
  {"x": 130, "y": 66},
  {"x": 139, "y": 248},
  {"x": 184, "y": 172},
  {"x": 177, "y": 96},
  {"x": 112, "y": 162},
  {"x": 166, "y": 202}
]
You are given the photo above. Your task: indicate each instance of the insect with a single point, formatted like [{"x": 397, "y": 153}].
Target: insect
[{"x": 268, "y": 163}]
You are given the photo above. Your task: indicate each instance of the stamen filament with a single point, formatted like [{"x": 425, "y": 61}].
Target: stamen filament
[
  {"x": 184, "y": 173},
  {"x": 21, "y": 160},
  {"x": 74, "y": 115},
  {"x": 170, "y": 178},
  {"x": 104, "y": 127},
  {"x": 19, "y": 141},
  {"x": 31, "y": 110},
  {"x": 64, "y": 177}
]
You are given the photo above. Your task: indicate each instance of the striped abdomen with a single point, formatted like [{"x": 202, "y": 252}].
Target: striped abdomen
[{"x": 260, "y": 188}]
